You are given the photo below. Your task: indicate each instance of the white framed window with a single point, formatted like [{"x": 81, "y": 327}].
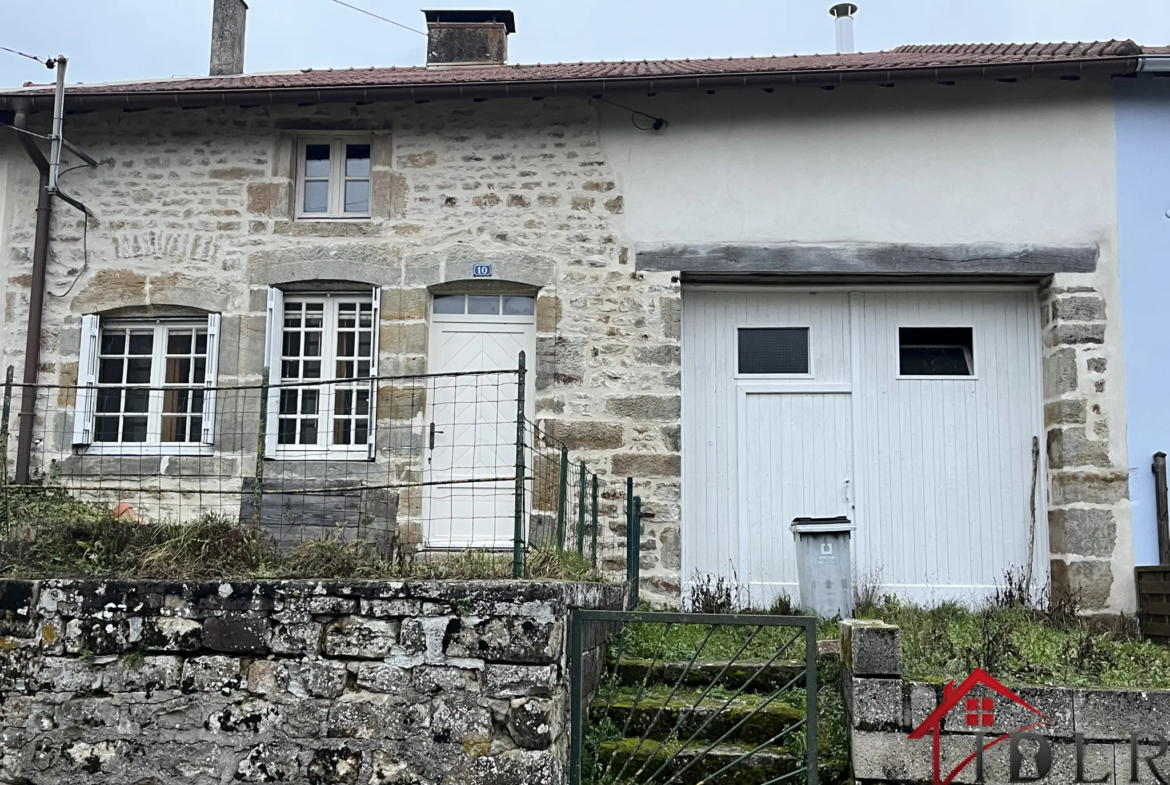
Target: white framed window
[
  {"x": 147, "y": 385},
  {"x": 322, "y": 364},
  {"x": 333, "y": 177}
]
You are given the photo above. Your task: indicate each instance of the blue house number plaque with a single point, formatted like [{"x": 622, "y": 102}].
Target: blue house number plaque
[{"x": 482, "y": 270}]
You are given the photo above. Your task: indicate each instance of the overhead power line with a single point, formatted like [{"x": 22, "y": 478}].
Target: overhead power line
[
  {"x": 384, "y": 19},
  {"x": 23, "y": 54}
]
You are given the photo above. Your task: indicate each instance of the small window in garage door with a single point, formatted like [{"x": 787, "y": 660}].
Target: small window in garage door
[
  {"x": 936, "y": 351},
  {"x": 773, "y": 350}
]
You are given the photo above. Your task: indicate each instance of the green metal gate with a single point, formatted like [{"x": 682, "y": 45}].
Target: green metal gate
[{"x": 686, "y": 698}]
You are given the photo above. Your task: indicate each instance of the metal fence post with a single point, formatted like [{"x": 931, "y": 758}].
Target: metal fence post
[
  {"x": 593, "y": 559},
  {"x": 810, "y": 691},
  {"x": 518, "y": 523},
  {"x": 7, "y": 411},
  {"x": 562, "y": 498},
  {"x": 631, "y": 541},
  {"x": 261, "y": 446},
  {"x": 636, "y": 561},
  {"x": 576, "y": 699},
  {"x": 581, "y": 512},
  {"x": 4, "y": 420}
]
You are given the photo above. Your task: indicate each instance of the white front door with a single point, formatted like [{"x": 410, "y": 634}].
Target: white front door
[{"x": 470, "y": 443}]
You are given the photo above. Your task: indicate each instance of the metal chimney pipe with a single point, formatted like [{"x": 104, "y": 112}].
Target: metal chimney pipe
[{"x": 843, "y": 13}]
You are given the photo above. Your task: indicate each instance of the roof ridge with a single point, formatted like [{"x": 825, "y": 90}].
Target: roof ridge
[
  {"x": 1114, "y": 57},
  {"x": 1112, "y": 48}
]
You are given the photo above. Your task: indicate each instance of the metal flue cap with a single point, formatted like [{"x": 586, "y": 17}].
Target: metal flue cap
[{"x": 842, "y": 9}]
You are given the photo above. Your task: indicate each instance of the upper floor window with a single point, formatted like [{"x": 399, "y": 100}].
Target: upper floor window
[
  {"x": 333, "y": 178},
  {"x": 323, "y": 351},
  {"x": 146, "y": 382}
]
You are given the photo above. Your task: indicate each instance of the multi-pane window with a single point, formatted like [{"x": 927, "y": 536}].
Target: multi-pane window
[
  {"x": 327, "y": 360},
  {"x": 146, "y": 382},
  {"x": 334, "y": 179},
  {"x": 484, "y": 304}
]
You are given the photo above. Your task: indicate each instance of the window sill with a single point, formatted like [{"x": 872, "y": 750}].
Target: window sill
[
  {"x": 329, "y": 227},
  {"x": 146, "y": 450},
  {"x": 342, "y": 454}
]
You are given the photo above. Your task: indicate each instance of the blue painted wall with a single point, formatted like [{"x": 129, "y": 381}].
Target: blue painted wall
[{"x": 1143, "y": 194}]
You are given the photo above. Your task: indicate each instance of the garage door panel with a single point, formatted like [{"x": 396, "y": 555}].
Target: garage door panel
[
  {"x": 712, "y": 542},
  {"x": 946, "y": 464},
  {"x": 942, "y": 467}
]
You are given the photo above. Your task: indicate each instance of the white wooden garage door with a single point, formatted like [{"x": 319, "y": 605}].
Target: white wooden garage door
[{"x": 912, "y": 413}]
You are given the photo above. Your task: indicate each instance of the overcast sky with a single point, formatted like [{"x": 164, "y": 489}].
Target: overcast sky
[{"x": 108, "y": 40}]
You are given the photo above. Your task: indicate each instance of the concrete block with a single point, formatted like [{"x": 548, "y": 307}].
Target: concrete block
[
  {"x": 877, "y": 704},
  {"x": 1115, "y": 714},
  {"x": 871, "y": 648}
]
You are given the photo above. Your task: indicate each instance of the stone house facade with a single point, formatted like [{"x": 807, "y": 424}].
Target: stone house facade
[{"x": 199, "y": 207}]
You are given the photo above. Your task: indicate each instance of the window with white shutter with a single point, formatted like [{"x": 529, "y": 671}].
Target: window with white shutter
[
  {"x": 147, "y": 385},
  {"x": 322, "y": 363}
]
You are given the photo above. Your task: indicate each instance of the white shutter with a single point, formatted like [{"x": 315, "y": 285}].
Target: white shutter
[
  {"x": 272, "y": 352},
  {"x": 210, "y": 379},
  {"x": 374, "y": 355},
  {"x": 87, "y": 368}
]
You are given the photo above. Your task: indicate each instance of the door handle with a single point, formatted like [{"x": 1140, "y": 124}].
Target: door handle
[{"x": 433, "y": 432}]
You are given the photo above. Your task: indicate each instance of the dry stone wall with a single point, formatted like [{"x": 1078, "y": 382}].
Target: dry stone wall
[
  {"x": 195, "y": 208},
  {"x": 287, "y": 681}
]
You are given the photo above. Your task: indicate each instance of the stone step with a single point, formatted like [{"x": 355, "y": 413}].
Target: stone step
[
  {"x": 649, "y": 713},
  {"x": 775, "y": 675},
  {"x": 763, "y": 766}
]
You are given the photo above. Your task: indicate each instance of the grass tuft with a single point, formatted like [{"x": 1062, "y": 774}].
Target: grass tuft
[
  {"x": 45, "y": 533},
  {"x": 1021, "y": 645}
]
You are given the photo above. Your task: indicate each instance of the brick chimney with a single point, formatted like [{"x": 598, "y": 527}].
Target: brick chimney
[
  {"x": 468, "y": 38},
  {"x": 227, "y": 37}
]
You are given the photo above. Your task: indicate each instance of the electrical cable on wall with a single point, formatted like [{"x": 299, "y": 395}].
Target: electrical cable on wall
[
  {"x": 84, "y": 247},
  {"x": 657, "y": 124}
]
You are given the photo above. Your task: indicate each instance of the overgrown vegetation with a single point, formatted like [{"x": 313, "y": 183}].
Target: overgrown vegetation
[
  {"x": 1021, "y": 639},
  {"x": 46, "y": 533}
]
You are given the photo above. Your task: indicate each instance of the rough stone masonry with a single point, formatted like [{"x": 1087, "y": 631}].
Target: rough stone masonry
[
  {"x": 155, "y": 682},
  {"x": 195, "y": 209}
]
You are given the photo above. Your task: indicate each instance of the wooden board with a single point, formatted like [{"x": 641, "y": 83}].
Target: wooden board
[
  {"x": 1153, "y": 589},
  {"x": 896, "y": 259}
]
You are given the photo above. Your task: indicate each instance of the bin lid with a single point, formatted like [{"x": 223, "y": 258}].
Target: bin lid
[{"x": 821, "y": 525}]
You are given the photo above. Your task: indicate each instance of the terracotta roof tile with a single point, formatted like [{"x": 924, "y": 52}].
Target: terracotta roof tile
[
  {"x": 1075, "y": 50},
  {"x": 934, "y": 55},
  {"x": 594, "y": 77}
]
